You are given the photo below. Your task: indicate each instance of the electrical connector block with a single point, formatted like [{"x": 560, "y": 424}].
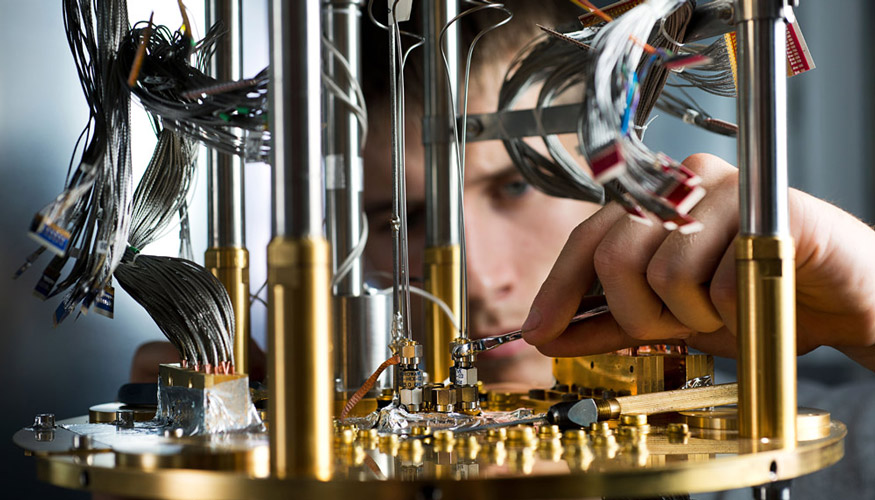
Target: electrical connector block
[
  {"x": 48, "y": 234},
  {"x": 105, "y": 303},
  {"x": 607, "y": 163},
  {"x": 204, "y": 403}
]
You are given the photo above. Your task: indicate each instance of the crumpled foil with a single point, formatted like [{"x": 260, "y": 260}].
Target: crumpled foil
[
  {"x": 395, "y": 419},
  {"x": 224, "y": 407}
]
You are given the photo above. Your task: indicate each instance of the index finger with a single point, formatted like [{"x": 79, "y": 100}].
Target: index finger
[{"x": 569, "y": 279}]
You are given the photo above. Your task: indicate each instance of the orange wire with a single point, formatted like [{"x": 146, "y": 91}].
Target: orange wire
[
  {"x": 141, "y": 53},
  {"x": 186, "y": 26},
  {"x": 586, "y": 4},
  {"x": 646, "y": 46},
  {"x": 359, "y": 394}
]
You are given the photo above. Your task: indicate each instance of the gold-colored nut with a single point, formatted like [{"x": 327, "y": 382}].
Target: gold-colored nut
[
  {"x": 468, "y": 394},
  {"x": 497, "y": 453},
  {"x": 368, "y": 435},
  {"x": 345, "y": 436},
  {"x": 412, "y": 350},
  {"x": 633, "y": 420},
  {"x": 678, "y": 428},
  {"x": 389, "y": 444},
  {"x": 411, "y": 450},
  {"x": 628, "y": 433},
  {"x": 549, "y": 432},
  {"x": 468, "y": 448},
  {"x": 502, "y": 398},
  {"x": 420, "y": 430},
  {"x": 521, "y": 434},
  {"x": 601, "y": 429},
  {"x": 444, "y": 437},
  {"x": 497, "y": 434},
  {"x": 574, "y": 436},
  {"x": 678, "y": 433},
  {"x": 443, "y": 398},
  {"x": 607, "y": 442},
  {"x": 549, "y": 449}
]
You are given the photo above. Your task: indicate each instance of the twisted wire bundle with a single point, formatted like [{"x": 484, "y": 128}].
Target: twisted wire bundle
[
  {"x": 102, "y": 225},
  {"x": 618, "y": 68},
  {"x": 191, "y": 102}
]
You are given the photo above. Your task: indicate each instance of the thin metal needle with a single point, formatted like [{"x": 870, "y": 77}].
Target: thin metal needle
[{"x": 591, "y": 306}]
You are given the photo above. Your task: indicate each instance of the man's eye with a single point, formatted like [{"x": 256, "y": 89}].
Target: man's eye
[{"x": 515, "y": 189}]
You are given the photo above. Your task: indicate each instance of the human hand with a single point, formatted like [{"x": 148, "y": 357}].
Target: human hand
[{"x": 664, "y": 287}]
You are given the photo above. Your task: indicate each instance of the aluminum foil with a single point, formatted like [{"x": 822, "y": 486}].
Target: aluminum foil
[
  {"x": 224, "y": 407},
  {"x": 397, "y": 420}
]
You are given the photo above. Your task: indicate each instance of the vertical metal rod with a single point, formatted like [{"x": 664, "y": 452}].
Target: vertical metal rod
[
  {"x": 442, "y": 255},
  {"x": 342, "y": 142},
  {"x": 227, "y": 257},
  {"x": 765, "y": 250},
  {"x": 300, "y": 358},
  {"x": 400, "y": 268}
]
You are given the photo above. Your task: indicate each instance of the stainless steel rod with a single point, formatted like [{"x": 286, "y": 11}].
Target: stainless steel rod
[
  {"x": 342, "y": 142},
  {"x": 441, "y": 171},
  {"x": 762, "y": 118},
  {"x": 295, "y": 118}
]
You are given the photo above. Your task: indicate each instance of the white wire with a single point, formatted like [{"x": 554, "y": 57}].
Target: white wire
[
  {"x": 354, "y": 254},
  {"x": 426, "y": 295}
]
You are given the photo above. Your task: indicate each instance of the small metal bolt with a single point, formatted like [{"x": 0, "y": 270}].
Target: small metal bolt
[
  {"x": 124, "y": 419},
  {"x": 82, "y": 442},
  {"x": 574, "y": 436},
  {"x": 44, "y": 421},
  {"x": 175, "y": 432}
]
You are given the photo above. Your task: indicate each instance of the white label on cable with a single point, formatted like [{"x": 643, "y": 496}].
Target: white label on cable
[
  {"x": 334, "y": 178},
  {"x": 402, "y": 9}
]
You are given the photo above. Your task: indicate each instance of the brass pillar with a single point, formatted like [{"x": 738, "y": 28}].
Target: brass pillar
[
  {"x": 300, "y": 364},
  {"x": 443, "y": 281},
  {"x": 766, "y": 277},
  {"x": 231, "y": 267}
]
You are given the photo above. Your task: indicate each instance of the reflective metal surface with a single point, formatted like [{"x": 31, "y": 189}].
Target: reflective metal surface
[
  {"x": 765, "y": 251},
  {"x": 342, "y": 142},
  {"x": 364, "y": 324},
  {"x": 225, "y": 179},
  {"x": 501, "y": 465},
  {"x": 442, "y": 266},
  {"x": 300, "y": 357}
]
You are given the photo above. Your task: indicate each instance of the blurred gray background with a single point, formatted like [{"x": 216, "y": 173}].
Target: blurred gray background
[{"x": 64, "y": 370}]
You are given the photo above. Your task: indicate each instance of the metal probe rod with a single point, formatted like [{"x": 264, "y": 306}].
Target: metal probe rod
[
  {"x": 227, "y": 257},
  {"x": 765, "y": 249},
  {"x": 300, "y": 361}
]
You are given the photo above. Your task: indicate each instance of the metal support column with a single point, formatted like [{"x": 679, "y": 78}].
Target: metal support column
[
  {"x": 442, "y": 253},
  {"x": 227, "y": 257},
  {"x": 300, "y": 358},
  {"x": 765, "y": 251},
  {"x": 362, "y": 331}
]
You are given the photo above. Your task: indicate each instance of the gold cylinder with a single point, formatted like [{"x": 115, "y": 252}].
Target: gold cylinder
[
  {"x": 231, "y": 266},
  {"x": 300, "y": 358},
  {"x": 766, "y": 275},
  {"x": 443, "y": 281}
]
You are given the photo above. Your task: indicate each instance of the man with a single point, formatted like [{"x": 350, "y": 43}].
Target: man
[{"x": 660, "y": 285}]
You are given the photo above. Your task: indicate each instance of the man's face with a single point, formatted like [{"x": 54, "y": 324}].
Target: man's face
[{"x": 514, "y": 233}]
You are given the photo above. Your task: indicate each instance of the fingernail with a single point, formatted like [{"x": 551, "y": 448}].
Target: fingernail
[{"x": 532, "y": 321}]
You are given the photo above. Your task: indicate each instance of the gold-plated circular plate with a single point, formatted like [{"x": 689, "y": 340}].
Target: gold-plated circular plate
[{"x": 811, "y": 423}]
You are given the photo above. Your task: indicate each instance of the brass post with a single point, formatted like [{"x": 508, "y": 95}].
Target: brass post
[
  {"x": 442, "y": 281},
  {"x": 231, "y": 267},
  {"x": 766, "y": 277},
  {"x": 300, "y": 361}
]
